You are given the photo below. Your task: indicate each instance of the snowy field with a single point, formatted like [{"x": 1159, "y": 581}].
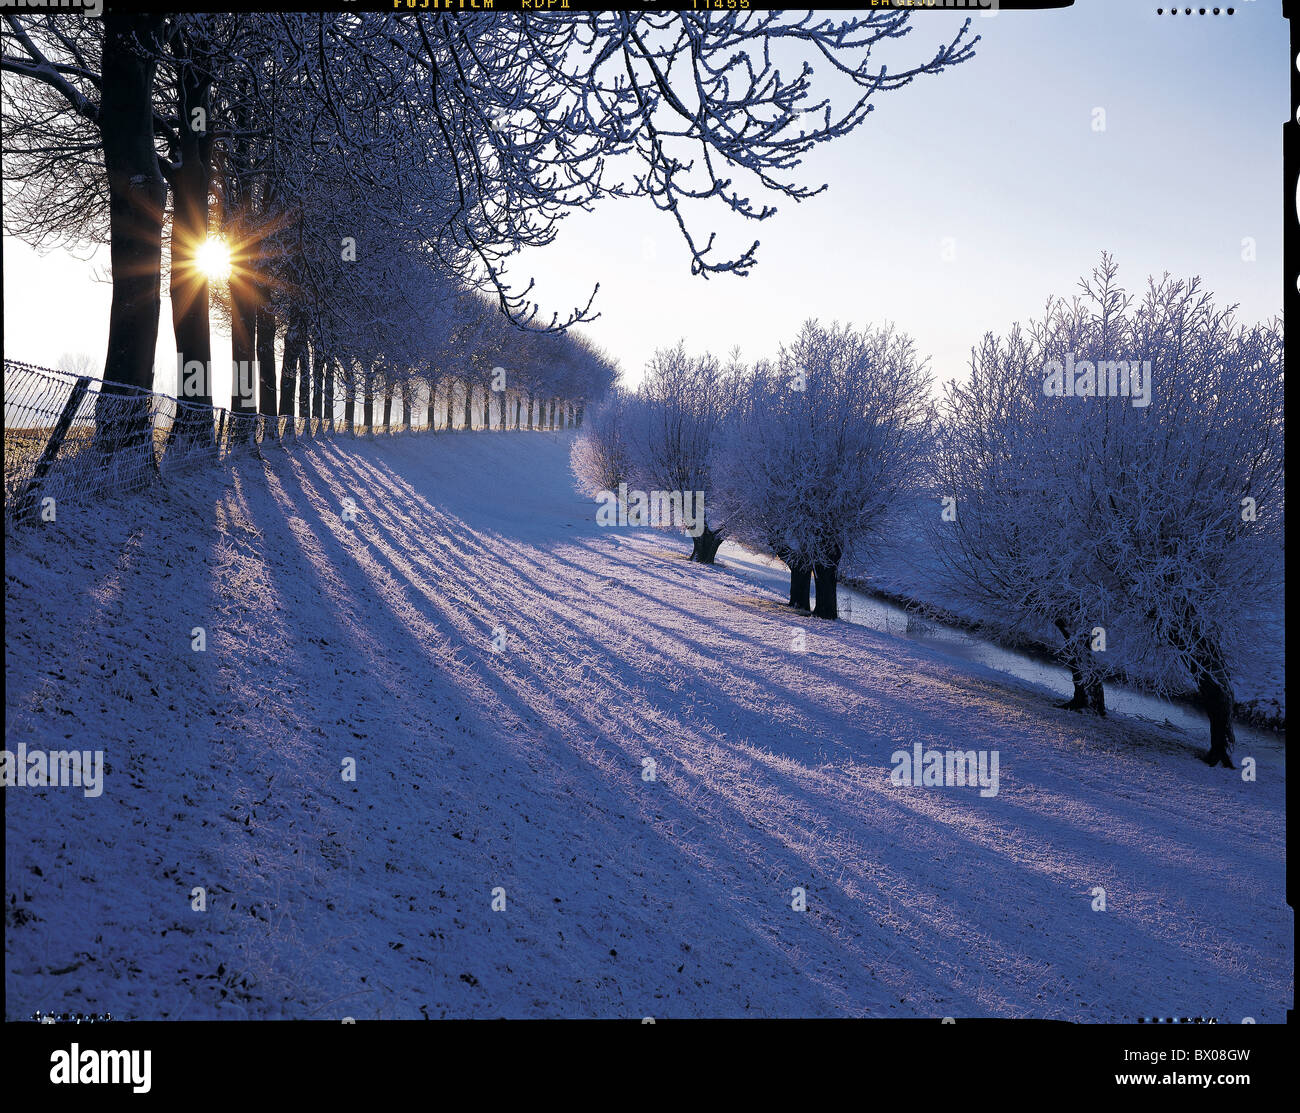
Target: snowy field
[{"x": 522, "y": 769}]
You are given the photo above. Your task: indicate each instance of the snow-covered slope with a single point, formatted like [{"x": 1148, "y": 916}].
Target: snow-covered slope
[{"x": 522, "y": 769}]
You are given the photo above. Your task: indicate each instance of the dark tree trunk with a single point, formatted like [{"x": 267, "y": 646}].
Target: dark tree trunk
[
  {"x": 350, "y": 402},
  {"x": 1089, "y": 692},
  {"x": 487, "y": 409},
  {"x": 800, "y": 577},
  {"x": 705, "y": 547},
  {"x": 191, "y": 184},
  {"x": 469, "y": 399},
  {"x": 1214, "y": 687},
  {"x": 530, "y": 410},
  {"x": 243, "y": 356},
  {"x": 504, "y": 399},
  {"x": 431, "y": 406},
  {"x": 137, "y": 196},
  {"x": 264, "y": 323},
  {"x": 826, "y": 575},
  {"x": 388, "y": 409},
  {"x": 801, "y": 588},
  {"x": 1215, "y": 691},
  {"x": 577, "y": 420},
  {"x": 292, "y": 378},
  {"x": 519, "y": 411}
]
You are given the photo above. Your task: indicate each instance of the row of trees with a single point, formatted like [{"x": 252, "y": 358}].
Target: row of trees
[
  {"x": 1137, "y": 515},
  {"x": 1147, "y": 535},
  {"x": 373, "y": 173},
  {"x": 804, "y": 457}
]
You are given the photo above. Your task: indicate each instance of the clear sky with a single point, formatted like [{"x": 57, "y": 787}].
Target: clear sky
[{"x": 1000, "y": 155}]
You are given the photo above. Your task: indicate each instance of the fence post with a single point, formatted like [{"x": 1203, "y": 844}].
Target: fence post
[{"x": 52, "y": 447}]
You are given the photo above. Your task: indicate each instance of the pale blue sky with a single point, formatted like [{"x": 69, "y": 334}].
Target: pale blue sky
[{"x": 999, "y": 154}]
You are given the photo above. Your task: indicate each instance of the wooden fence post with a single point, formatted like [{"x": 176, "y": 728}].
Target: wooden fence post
[{"x": 26, "y": 502}]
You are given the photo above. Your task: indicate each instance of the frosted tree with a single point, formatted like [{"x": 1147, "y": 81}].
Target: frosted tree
[
  {"x": 752, "y": 482},
  {"x": 1117, "y": 474},
  {"x": 1187, "y": 518},
  {"x": 77, "y": 363},
  {"x": 600, "y": 457},
  {"x": 674, "y": 424},
  {"x": 1005, "y": 533},
  {"x": 828, "y": 441}
]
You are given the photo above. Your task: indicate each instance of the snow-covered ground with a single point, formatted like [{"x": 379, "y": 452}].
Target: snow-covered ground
[{"x": 521, "y": 768}]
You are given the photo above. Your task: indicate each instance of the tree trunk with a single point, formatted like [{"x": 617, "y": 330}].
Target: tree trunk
[
  {"x": 265, "y": 325},
  {"x": 801, "y": 588},
  {"x": 469, "y": 398},
  {"x": 191, "y": 185},
  {"x": 705, "y": 547},
  {"x": 530, "y": 409},
  {"x": 388, "y": 408},
  {"x": 243, "y": 358},
  {"x": 291, "y": 373},
  {"x": 1216, "y": 698},
  {"x": 1089, "y": 692},
  {"x": 137, "y": 196},
  {"x": 1214, "y": 686},
  {"x": 350, "y": 402},
  {"x": 800, "y": 577},
  {"x": 431, "y": 406},
  {"x": 827, "y": 605}
]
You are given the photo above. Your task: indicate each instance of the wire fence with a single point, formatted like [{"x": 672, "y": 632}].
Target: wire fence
[{"x": 71, "y": 438}]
